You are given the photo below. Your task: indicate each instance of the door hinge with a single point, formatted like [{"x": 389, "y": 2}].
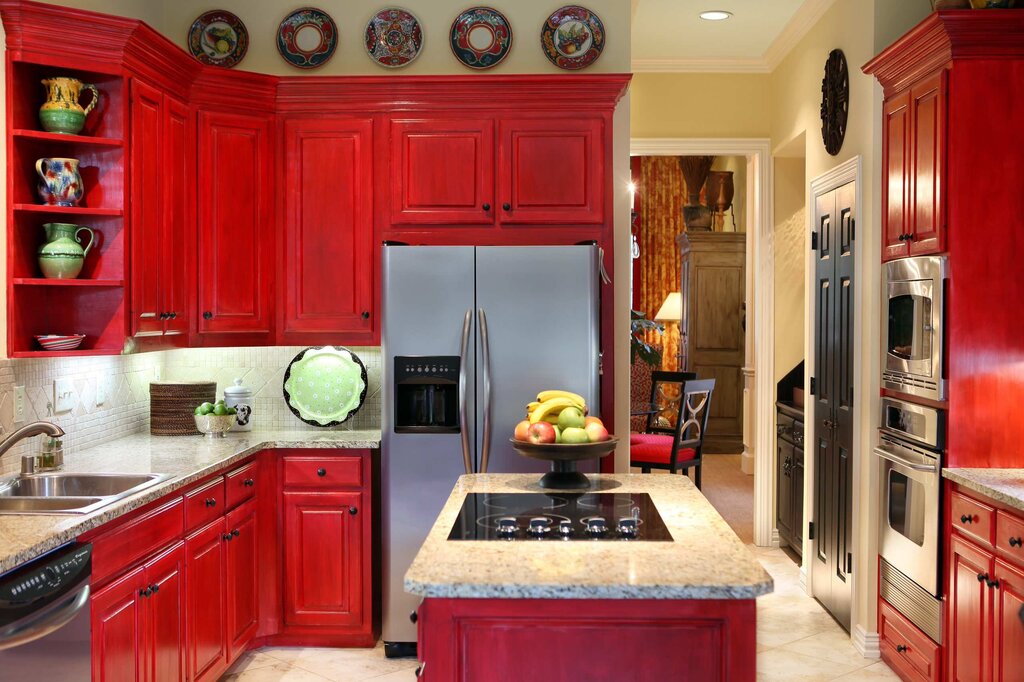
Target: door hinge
[
  {"x": 810, "y": 530},
  {"x": 814, "y": 386},
  {"x": 849, "y": 563},
  {"x": 814, "y": 240}
]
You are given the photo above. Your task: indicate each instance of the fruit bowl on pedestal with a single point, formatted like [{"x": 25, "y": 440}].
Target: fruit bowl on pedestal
[
  {"x": 214, "y": 425},
  {"x": 563, "y": 458}
]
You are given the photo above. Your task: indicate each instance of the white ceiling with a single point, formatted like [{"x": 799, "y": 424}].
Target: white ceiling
[{"x": 669, "y": 35}]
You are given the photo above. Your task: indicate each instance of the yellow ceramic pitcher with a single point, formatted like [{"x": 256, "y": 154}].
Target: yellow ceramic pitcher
[{"x": 61, "y": 112}]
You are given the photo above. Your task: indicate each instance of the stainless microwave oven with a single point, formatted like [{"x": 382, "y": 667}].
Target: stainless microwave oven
[{"x": 914, "y": 334}]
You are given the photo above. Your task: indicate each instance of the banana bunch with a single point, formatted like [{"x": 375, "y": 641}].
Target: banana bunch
[{"x": 549, "y": 405}]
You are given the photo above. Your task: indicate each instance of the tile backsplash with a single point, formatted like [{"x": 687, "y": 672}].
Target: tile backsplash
[{"x": 124, "y": 381}]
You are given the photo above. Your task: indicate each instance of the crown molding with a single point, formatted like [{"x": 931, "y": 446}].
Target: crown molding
[
  {"x": 803, "y": 20},
  {"x": 701, "y": 65}
]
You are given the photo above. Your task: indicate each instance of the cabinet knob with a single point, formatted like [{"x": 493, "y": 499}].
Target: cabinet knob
[
  {"x": 227, "y": 537},
  {"x": 146, "y": 592},
  {"x": 321, "y": 472},
  {"x": 413, "y": 617},
  {"x": 486, "y": 207},
  {"x": 419, "y": 670},
  {"x": 964, "y": 518},
  {"x": 235, "y": 533},
  {"x": 992, "y": 583},
  {"x": 211, "y": 502},
  {"x": 162, "y": 316},
  {"x": 902, "y": 237},
  {"x": 207, "y": 315},
  {"x": 1015, "y": 542},
  {"x": 155, "y": 588},
  {"x": 172, "y": 315},
  {"x": 982, "y": 577},
  {"x": 248, "y": 483},
  {"x": 506, "y": 206},
  {"x": 366, "y": 314},
  {"x": 900, "y": 648},
  {"x": 353, "y": 511}
]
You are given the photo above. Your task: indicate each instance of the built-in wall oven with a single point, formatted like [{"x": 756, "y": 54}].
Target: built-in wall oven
[
  {"x": 910, "y": 443},
  {"x": 913, "y": 361}
]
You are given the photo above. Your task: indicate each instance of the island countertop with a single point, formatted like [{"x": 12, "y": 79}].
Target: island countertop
[
  {"x": 705, "y": 560},
  {"x": 185, "y": 459}
]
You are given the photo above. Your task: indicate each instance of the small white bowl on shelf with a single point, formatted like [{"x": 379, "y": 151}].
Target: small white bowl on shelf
[
  {"x": 214, "y": 425},
  {"x": 60, "y": 341}
]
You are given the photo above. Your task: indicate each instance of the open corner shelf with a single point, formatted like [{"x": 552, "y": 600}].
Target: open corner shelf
[
  {"x": 43, "y": 282},
  {"x": 78, "y": 352},
  {"x": 67, "y": 210},
  {"x": 61, "y": 138}
]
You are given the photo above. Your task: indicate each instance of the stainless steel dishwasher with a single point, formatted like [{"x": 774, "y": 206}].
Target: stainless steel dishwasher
[{"x": 44, "y": 618}]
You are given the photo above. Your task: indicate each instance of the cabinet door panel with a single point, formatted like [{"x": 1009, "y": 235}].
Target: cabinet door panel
[
  {"x": 928, "y": 107},
  {"x": 178, "y": 225},
  {"x": 235, "y": 224},
  {"x": 206, "y": 604},
  {"x": 896, "y": 172},
  {"x": 323, "y": 559},
  {"x": 118, "y": 633},
  {"x": 1008, "y": 653},
  {"x": 784, "y": 488},
  {"x": 147, "y": 217},
  {"x": 970, "y": 612},
  {"x": 165, "y": 576},
  {"x": 442, "y": 171},
  {"x": 552, "y": 171},
  {"x": 797, "y": 514},
  {"x": 243, "y": 601},
  {"x": 328, "y": 265}
]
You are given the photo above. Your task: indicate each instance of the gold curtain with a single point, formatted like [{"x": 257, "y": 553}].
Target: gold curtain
[{"x": 662, "y": 195}]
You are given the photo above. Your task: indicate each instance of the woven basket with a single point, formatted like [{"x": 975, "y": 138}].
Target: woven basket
[{"x": 173, "y": 403}]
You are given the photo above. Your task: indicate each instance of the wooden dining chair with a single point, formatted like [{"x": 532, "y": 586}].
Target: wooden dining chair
[
  {"x": 666, "y": 394},
  {"x": 681, "y": 448}
]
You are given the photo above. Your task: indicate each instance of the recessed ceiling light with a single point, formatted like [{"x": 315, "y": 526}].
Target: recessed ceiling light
[{"x": 715, "y": 15}]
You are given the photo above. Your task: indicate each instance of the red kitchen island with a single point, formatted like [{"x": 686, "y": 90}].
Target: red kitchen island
[{"x": 509, "y": 596}]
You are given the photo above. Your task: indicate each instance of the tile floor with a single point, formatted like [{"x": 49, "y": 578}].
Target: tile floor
[{"x": 797, "y": 641}]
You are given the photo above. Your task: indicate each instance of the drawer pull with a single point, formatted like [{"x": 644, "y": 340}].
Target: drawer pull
[
  {"x": 1015, "y": 542},
  {"x": 211, "y": 502},
  {"x": 964, "y": 518},
  {"x": 900, "y": 648},
  {"x": 353, "y": 511},
  {"x": 982, "y": 577},
  {"x": 321, "y": 472},
  {"x": 248, "y": 483}
]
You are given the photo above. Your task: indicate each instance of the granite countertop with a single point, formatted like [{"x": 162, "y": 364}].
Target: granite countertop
[
  {"x": 1002, "y": 485},
  {"x": 184, "y": 458},
  {"x": 705, "y": 561}
]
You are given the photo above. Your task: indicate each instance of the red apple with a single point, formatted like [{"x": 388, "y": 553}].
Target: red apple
[
  {"x": 542, "y": 432},
  {"x": 596, "y": 432},
  {"x": 523, "y": 430},
  {"x": 592, "y": 420}
]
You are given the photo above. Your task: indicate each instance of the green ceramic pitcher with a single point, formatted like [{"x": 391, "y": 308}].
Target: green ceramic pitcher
[{"x": 62, "y": 255}]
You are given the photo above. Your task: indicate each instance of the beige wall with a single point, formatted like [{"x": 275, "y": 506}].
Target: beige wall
[
  {"x": 790, "y": 229},
  {"x": 700, "y": 105}
]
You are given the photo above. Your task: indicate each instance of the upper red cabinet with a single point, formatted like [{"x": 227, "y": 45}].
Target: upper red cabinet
[
  {"x": 328, "y": 266},
  {"x": 235, "y": 223},
  {"x": 442, "y": 170},
  {"x": 913, "y": 157},
  {"x": 551, "y": 171}
]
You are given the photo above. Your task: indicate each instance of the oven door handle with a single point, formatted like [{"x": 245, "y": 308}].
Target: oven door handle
[{"x": 892, "y": 457}]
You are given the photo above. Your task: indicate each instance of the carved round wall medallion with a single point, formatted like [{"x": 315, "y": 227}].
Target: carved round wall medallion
[{"x": 835, "y": 101}]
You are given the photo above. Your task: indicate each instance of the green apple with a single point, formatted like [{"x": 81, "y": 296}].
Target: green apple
[
  {"x": 220, "y": 409},
  {"x": 571, "y": 417},
  {"x": 574, "y": 434},
  {"x": 206, "y": 408},
  {"x": 558, "y": 435}
]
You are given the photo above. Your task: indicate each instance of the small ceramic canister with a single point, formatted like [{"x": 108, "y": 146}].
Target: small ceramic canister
[{"x": 240, "y": 397}]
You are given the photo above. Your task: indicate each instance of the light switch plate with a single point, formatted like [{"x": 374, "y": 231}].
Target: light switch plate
[
  {"x": 63, "y": 395},
  {"x": 19, "y": 403}
]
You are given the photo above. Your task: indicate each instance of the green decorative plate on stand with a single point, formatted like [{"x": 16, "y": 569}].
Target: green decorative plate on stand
[{"x": 325, "y": 385}]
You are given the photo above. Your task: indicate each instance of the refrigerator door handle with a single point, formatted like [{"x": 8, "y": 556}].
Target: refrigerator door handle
[
  {"x": 485, "y": 344},
  {"x": 467, "y": 458}
]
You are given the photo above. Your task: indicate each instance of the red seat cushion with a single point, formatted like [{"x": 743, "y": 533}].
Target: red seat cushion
[{"x": 654, "y": 448}]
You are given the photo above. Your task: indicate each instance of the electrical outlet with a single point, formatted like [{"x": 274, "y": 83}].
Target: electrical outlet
[
  {"x": 157, "y": 373},
  {"x": 101, "y": 392},
  {"x": 63, "y": 395},
  {"x": 19, "y": 403}
]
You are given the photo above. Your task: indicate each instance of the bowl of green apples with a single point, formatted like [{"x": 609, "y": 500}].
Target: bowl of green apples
[{"x": 214, "y": 419}]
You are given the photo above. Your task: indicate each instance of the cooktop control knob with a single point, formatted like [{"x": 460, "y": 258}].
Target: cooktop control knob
[
  {"x": 565, "y": 528},
  {"x": 507, "y": 527},
  {"x": 628, "y": 528},
  {"x": 597, "y": 526},
  {"x": 540, "y": 526}
]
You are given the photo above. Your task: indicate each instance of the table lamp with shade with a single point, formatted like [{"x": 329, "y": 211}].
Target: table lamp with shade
[{"x": 672, "y": 311}]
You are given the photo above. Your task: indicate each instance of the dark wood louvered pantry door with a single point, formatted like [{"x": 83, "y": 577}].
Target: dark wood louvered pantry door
[{"x": 832, "y": 558}]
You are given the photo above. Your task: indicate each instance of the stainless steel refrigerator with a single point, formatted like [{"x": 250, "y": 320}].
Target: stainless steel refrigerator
[{"x": 470, "y": 335}]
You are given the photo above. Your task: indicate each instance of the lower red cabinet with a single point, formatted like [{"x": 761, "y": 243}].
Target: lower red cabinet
[
  {"x": 240, "y": 583},
  {"x": 905, "y": 648},
  {"x": 1008, "y": 618},
  {"x": 323, "y": 558},
  {"x": 206, "y": 610},
  {"x": 117, "y": 630}
]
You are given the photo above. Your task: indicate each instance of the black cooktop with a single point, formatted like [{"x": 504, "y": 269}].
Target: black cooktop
[{"x": 559, "y": 516}]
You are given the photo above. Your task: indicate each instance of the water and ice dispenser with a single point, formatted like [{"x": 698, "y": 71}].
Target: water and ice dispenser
[{"x": 427, "y": 394}]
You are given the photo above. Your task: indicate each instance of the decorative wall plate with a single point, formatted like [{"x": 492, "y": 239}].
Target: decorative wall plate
[
  {"x": 218, "y": 38},
  {"x": 572, "y": 37},
  {"x": 325, "y": 385},
  {"x": 835, "y": 101},
  {"x": 393, "y": 37},
  {"x": 481, "y": 37},
  {"x": 307, "y": 38}
]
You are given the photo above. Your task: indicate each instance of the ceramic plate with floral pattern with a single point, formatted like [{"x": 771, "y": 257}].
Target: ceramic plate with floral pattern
[
  {"x": 218, "y": 38},
  {"x": 393, "y": 37},
  {"x": 572, "y": 37},
  {"x": 307, "y": 38},
  {"x": 481, "y": 37},
  {"x": 325, "y": 385}
]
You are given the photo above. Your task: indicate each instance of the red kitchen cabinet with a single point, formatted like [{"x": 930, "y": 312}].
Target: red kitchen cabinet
[
  {"x": 328, "y": 266},
  {"x": 323, "y": 559},
  {"x": 442, "y": 170},
  {"x": 241, "y": 584},
  {"x": 551, "y": 171},
  {"x": 896, "y": 184},
  {"x": 206, "y": 607},
  {"x": 235, "y": 223},
  {"x": 118, "y": 630},
  {"x": 1008, "y": 620},
  {"x": 970, "y": 606},
  {"x": 178, "y": 239},
  {"x": 164, "y": 596}
]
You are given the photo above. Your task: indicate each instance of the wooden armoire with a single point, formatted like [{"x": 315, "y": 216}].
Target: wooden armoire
[{"x": 712, "y": 328}]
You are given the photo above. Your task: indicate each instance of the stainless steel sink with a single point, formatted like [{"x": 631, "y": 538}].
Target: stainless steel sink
[{"x": 69, "y": 493}]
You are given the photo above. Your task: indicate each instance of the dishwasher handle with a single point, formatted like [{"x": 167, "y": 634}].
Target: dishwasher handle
[{"x": 50, "y": 618}]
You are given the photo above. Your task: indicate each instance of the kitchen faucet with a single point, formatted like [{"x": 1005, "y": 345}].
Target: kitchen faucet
[{"x": 47, "y": 461}]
